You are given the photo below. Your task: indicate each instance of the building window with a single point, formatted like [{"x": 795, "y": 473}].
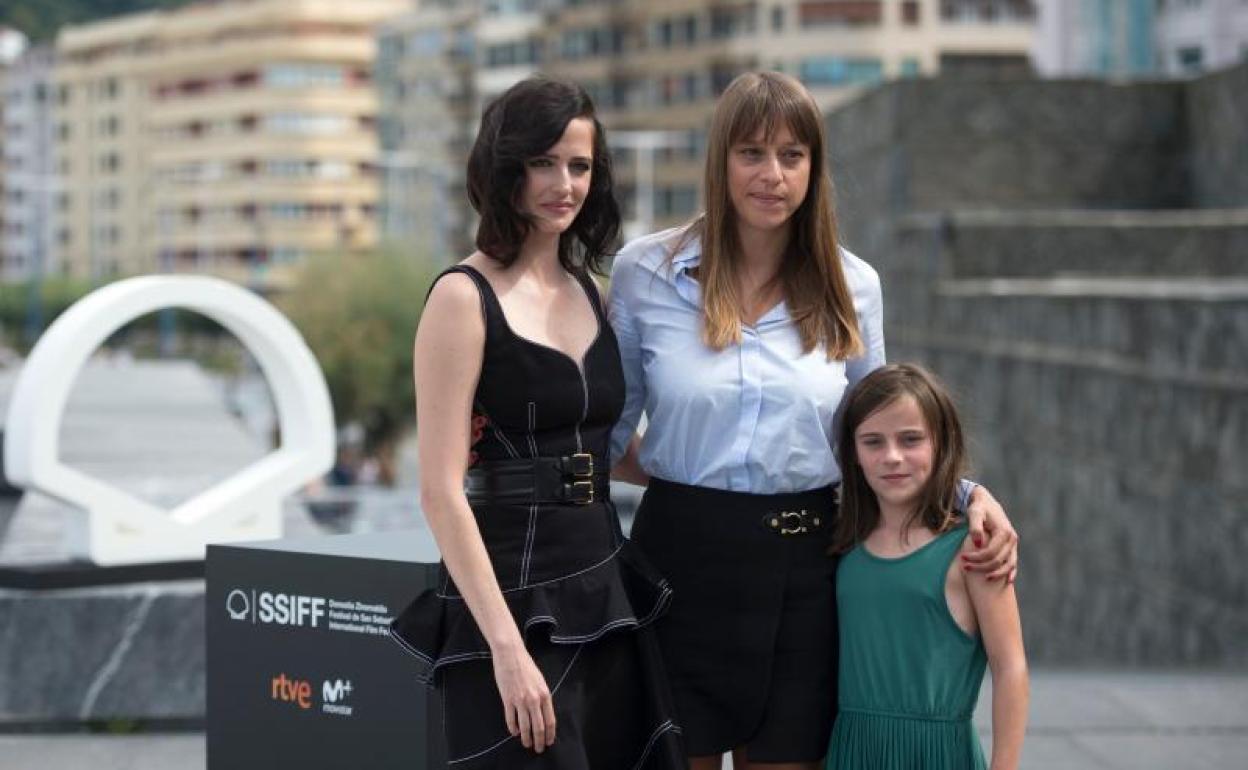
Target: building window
[
  {"x": 1191, "y": 59},
  {"x": 839, "y": 71},
  {"x": 524, "y": 52},
  {"x": 987, "y": 11},
  {"x": 732, "y": 22},
  {"x": 777, "y": 18},
  {"x": 910, "y": 12},
  {"x": 910, "y": 68},
  {"x": 304, "y": 76},
  {"x": 306, "y": 124},
  {"x": 674, "y": 31},
  {"x": 680, "y": 89},
  {"x": 841, "y": 13},
  {"x": 425, "y": 42},
  {"x": 678, "y": 201}
]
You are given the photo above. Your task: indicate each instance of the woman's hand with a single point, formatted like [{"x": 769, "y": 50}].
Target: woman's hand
[
  {"x": 628, "y": 468},
  {"x": 998, "y": 556},
  {"x": 527, "y": 703}
]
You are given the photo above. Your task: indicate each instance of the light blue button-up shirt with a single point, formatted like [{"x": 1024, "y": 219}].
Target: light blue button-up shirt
[{"x": 754, "y": 417}]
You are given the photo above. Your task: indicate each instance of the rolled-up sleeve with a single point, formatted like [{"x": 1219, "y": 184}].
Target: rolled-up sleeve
[
  {"x": 869, "y": 304},
  {"x": 621, "y": 306}
]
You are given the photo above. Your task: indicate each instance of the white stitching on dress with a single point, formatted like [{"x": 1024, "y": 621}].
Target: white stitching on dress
[
  {"x": 590, "y": 568},
  {"x": 532, "y": 531},
  {"x": 553, "y": 690},
  {"x": 668, "y": 726}
]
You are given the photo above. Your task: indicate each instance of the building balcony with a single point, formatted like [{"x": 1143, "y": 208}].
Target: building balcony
[{"x": 351, "y": 100}]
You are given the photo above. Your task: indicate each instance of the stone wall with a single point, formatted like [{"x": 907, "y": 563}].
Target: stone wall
[
  {"x": 1217, "y": 111},
  {"x": 1039, "y": 250}
]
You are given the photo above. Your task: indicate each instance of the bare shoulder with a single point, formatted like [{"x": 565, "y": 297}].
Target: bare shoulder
[
  {"x": 453, "y": 291},
  {"x": 457, "y": 292},
  {"x": 453, "y": 313}
]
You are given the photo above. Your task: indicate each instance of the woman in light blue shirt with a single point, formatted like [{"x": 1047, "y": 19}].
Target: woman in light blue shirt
[{"x": 739, "y": 335}]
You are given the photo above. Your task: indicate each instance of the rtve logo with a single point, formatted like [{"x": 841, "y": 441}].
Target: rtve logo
[{"x": 287, "y": 690}]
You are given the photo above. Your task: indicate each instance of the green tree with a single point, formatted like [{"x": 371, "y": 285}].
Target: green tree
[
  {"x": 358, "y": 313},
  {"x": 56, "y": 294}
]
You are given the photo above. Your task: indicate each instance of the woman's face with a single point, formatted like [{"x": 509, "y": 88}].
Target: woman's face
[
  {"x": 556, "y": 182},
  {"x": 768, "y": 179}
]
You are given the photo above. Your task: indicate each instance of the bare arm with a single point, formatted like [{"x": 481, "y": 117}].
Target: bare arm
[
  {"x": 996, "y": 612},
  {"x": 447, "y": 363},
  {"x": 629, "y": 466}
]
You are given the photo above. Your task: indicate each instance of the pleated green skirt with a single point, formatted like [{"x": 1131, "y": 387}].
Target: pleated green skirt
[{"x": 869, "y": 741}]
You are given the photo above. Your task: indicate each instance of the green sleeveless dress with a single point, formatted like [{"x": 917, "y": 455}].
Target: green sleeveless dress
[{"x": 909, "y": 674}]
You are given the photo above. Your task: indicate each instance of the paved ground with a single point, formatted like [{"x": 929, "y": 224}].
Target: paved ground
[{"x": 1095, "y": 720}]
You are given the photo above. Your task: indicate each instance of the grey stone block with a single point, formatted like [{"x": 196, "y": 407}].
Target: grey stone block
[{"x": 122, "y": 652}]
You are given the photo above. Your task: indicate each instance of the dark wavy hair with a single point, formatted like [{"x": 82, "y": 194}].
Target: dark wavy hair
[
  {"x": 937, "y": 504},
  {"x": 524, "y": 121}
]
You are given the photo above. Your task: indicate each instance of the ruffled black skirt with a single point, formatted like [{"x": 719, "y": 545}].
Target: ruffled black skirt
[{"x": 584, "y": 600}]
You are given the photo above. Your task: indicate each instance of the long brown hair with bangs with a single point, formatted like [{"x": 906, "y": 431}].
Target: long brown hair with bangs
[
  {"x": 937, "y": 505},
  {"x": 811, "y": 276}
]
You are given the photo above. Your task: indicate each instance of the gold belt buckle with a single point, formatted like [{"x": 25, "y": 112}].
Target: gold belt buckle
[
  {"x": 582, "y": 465},
  {"x": 785, "y": 516},
  {"x": 588, "y": 487}
]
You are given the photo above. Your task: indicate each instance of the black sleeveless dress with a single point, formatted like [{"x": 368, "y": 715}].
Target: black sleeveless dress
[{"x": 580, "y": 594}]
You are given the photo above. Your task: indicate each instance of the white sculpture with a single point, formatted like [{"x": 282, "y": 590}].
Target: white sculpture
[{"x": 119, "y": 528}]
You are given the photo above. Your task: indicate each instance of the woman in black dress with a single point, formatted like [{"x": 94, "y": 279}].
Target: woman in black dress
[{"x": 537, "y": 636}]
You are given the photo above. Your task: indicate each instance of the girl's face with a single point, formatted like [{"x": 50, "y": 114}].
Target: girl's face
[
  {"x": 768, "y": 180},
  {"x": 895, "y": 450},
  {"x": 556, "y": 182}
]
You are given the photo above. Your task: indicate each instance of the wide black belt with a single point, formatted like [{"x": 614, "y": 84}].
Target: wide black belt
[{"x": 567, "y": 479}]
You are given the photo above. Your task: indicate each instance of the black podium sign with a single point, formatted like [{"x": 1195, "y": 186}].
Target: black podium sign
[{"x": 301, "y": 670}]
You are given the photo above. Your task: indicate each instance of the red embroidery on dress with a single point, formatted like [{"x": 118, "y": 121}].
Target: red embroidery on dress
[{"x": 479, "y": 421}]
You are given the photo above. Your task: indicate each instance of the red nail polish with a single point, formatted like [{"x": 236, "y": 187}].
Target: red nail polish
[{"x": 978, "y": 542}]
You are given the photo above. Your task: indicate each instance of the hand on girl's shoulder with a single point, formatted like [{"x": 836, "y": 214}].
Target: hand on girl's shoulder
[{"x": 975, "y": 578}]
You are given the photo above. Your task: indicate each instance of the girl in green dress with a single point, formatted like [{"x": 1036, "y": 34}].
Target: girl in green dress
[{"x": 917, "y": 628}]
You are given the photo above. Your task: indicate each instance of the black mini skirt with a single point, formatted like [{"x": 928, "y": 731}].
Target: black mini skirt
[{"x": 749, "y": 641}]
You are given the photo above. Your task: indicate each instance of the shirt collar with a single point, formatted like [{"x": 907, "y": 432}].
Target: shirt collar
[{"x": 689, "y": 255}]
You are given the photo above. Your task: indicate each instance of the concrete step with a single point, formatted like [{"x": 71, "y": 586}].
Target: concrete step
[{"x": 1076, "y": 243}]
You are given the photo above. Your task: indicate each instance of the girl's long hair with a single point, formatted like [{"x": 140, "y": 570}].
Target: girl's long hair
[
  {"x": 814, "y": 283},
  {"x": 937, "y": 504}
]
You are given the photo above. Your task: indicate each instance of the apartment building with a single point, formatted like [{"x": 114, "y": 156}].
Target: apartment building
[
  {"x": 29, "y": 195},
  {"x": 655, "y": 67},
  {"x": 101, "y": 146},
  {"x": 1102, "y": 38},
  {"x": 1140, "y": 38},
  {"x": 660, "y": 64},
  {"x": 12, "y": 44},
  {"x": 426, "y": 76},
  {"x": 231, "y": 138},
  {"x": 1196, "y": 36}
]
